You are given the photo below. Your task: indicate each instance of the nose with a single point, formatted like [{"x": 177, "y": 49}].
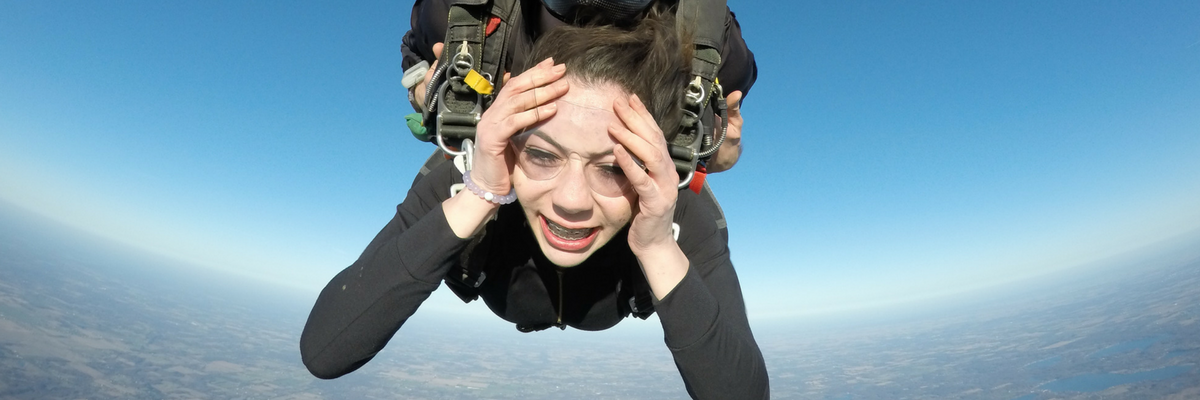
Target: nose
[{"x": 572, "y": 195}]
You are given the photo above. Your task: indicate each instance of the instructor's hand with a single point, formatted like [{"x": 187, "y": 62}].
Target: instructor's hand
[
  {"x": 731, "y": 150},
  {"x": 419, "y": 91}
]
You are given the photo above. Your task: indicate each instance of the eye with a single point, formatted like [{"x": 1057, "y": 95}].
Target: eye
[
  {"x": 541, "y": 157},
  {"x": 611, "y": 170},
  {"x": 608, "y": 179}
]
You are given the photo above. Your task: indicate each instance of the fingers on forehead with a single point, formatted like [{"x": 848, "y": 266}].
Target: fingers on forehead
[
  {"x": 633, "y": 172},
  {"x": 639, "y": 121},
  {"x": 538, "y": 96},
  {"x": 635, "y": 144},
  {"x": 533, "y": 115}
]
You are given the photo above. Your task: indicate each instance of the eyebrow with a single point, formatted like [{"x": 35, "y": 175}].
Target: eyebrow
[{"x": 544, "y": 136}]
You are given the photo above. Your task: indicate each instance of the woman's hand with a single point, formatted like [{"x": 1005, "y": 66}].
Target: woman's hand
[
  {"x": 657, "y": 187},
  {"x": 526, "y": 100}
]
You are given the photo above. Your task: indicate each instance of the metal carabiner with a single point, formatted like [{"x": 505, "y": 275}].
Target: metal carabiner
[
  {"x": 468, "y": 154},
  {"x": 472, "y": 118}
]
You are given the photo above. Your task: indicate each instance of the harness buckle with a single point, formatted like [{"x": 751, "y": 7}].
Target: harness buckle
[
  {"x": 453, "y": 126},
  {"x": 460, "y": 99}
]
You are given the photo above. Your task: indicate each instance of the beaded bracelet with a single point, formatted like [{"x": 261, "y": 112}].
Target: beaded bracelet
[{"x": 489, "y": 196}]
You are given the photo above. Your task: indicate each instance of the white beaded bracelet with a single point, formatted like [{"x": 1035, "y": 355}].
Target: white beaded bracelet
[{"x": 489, "y": 196}]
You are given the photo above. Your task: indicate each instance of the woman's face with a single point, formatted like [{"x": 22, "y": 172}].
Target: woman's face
[{"x": 573, "y": 193}]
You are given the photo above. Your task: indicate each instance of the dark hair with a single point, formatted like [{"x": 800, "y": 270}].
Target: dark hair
[{"x": 649, "y": 59}]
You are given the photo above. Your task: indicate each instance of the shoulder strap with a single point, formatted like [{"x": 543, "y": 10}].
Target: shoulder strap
[
  {"x": 706, "y": 19},
  {"x": 505, "y": 14},
  {"x": 485, "y": 25}
]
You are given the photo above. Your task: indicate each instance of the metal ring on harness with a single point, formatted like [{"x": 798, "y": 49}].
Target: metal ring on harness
[
  {"x": 472, "y": 118},
  {"x": 684, "y": 158},
  {"x": 447, "y": 149},
  {"x": 464, "y": 123},
  {"x": 468, "y": 154},
  {"x": 684, "y": 183},
  {"x": 462, "y": 63}
]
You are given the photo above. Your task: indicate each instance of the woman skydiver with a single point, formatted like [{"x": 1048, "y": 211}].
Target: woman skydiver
[{"x": 571, "y": 204}]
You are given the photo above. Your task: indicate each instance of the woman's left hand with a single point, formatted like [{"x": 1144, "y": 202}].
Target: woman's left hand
[{"x": 657, "y": 187}]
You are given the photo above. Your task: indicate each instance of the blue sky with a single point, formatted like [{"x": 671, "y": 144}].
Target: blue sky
[{"x": 894, "y": 150}]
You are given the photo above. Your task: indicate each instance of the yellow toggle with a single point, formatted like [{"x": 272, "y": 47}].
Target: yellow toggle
[{"x": 478, "y": 82}]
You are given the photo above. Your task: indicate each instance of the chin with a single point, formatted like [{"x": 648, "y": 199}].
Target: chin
[{"x": 564, "y": 259}]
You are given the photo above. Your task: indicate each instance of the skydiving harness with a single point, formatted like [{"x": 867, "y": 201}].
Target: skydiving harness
[
  {"x": 476, "y": 33},
  {"x": 462, "y": 88},
  {"x": 695, "y": 142}
]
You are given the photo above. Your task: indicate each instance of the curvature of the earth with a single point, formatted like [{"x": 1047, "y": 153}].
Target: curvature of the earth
[{"x": 81, "y": 319}]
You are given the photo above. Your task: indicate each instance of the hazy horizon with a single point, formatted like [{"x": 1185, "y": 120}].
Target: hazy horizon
[
  {"x": 1182, "y": 248},
  {"x": 893, "y": 150},
  {"x": 83, "y": 315}
]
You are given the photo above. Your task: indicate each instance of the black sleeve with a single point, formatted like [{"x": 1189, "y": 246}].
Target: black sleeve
[
  {"x": 428, "y": 22},
  {"x": 738, "y": 69},
  {"x": 360, "y": 310},
  {"x": 704, "y": 317}
]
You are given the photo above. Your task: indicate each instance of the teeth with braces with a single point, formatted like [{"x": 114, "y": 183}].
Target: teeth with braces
[{"x": 569, "y": 234}]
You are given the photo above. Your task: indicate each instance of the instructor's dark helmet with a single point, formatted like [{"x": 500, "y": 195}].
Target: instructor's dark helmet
[{"x": 611, "y": 10}]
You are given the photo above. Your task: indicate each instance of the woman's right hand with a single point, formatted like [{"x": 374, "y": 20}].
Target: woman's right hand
[{"x": 525, "y": 100}]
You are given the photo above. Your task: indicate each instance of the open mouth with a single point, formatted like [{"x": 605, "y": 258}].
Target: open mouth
[{"x": 567, "y": 239}]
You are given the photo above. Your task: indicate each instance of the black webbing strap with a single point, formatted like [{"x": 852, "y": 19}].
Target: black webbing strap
[
  {"x": 706, "y": 19},
  {"x": 641, "y": 298},
  {"x": 494, "y": 46},
  {"x": 466, "y": 22}
]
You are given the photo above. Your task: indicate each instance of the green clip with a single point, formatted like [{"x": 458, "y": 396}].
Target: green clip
[{"x": 417, "y": 126}]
